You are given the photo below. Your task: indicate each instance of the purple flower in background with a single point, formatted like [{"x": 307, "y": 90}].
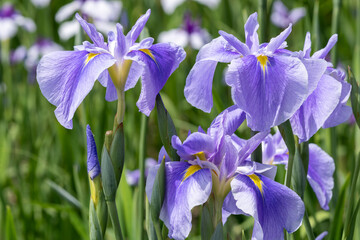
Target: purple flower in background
[
  {"x": 103, "y": 14},
  {"x": 189, "y": 35},
  {"x": 326, "y": 105},
  {"x": 10, "y": 20},
  {"x": 266, "y": 84},
  {"x": 216, "y": 162},
  {"x": 66, "y": 77},
  {"x": 93, "y": 165},
  {"x": 282, "y": 17},
  {"x": 320, "y": 170},
  {"x": 169, "y": 6}
]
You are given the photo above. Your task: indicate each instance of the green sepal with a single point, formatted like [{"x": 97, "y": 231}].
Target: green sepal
[
  {"x": 218, "y": 234},
  {"x": 354, "y": 96},
  {"x": 117, "y": 151},
  {"x": 94, "y": 225},
  {"x": 108, "y": 176},
  {"x": 166, "y": 128},
  {"x": 207, "y": 227}
]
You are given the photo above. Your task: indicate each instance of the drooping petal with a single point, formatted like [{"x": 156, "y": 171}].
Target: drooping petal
[
  {"x": 195, "y": 143},
  {"x": 316, "y": 109},
  {"x": 93, "y": 165},
  {"x": 320, "y": 174},
  {"x": 272, "y": 205},
  {"x": 66, "y": 77},
  {"x": 274, "y": 150},
  {"x": 251, "y": 144},
  {"x": 159, "y": 62},
  {"x": 135, "y": 31},
  {"x": 186, "y": 187},
  {"x": 198, "y": 88},
  {"x": 269, "y": 94},
  {"x": 90, "y": 30},
  {"x": 251, "y": 36},
  {"x": 315, "y": 69}
]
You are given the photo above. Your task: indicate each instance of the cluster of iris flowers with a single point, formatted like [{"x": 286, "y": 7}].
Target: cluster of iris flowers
[{"x": 269, "y": 85}]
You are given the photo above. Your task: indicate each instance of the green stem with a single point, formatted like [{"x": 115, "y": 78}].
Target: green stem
[
  {"x": 158, "y": 230},
  {"x": 289, "y": 170},
  {"x": 120, "y": 106},
  {"x": 263, "y": 20},
  {"x": 115, "y": 219},
  {"x": 309, "y": 232},
  {"x": 142, "y": 152},
  {"x": 315, "y": 27}
]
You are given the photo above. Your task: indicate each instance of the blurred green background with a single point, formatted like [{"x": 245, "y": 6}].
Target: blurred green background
[{"x": 44, "y": 192}]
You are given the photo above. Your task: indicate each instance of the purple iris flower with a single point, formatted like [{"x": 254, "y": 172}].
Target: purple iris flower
[
  {"x": 326, "y": 105},
  {"x": 10, "y": 20},
  {"x": 267, "y": 85},
  {"x": 320, "y": 170},
  {"x": 190, "y": 34},
  {"x": 66, "y": 77},
  {"x": 93, "y": 165},
  {"x": 216, "y": 162},
  {"x": 282, "y": 17}
]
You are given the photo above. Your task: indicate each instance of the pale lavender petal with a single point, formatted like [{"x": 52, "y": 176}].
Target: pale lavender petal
[
  {"x": 268, "y": 95},
  {"x": 276, "y": 42},
  {"x": 322, "y": 53},
  {"x": 65, "y": 78},
  {"x": 251, "y": 36},
  {"x": 251, "y": 145},
  {"x": 315, "y": 69},
  {"x": 136, "y": 70},
  {"x": 90, "y": 30},
  {"x": 159, "y": 62},
  {"x": 198, "y": 88},
  {"x": 236, "y": 43},
  {"x": 273, "y": 206},
  {"x": 307, "y": 45},
  {"x": 320, "y": 174},
  {"x": 316, "y": 109},
  {"x": 135, "y": 31}
]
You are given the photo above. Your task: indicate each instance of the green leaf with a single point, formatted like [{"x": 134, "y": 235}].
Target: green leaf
[
  {"x": 350, "y": 235},
  {"x": 65, "y": 194},
  {"x": 354, "y": 96},
  {"x": 10, "y": 231},
  {"x": 288, "y": 136},
  {"x": 108, "y": 176},
  {"x": 218, "y": 234},
  {"x": 206, "y": 224},
  {"x": 166, "y": 128},
  {"x": 298, "y": 175},
  {"x": 117, "y": 151}
]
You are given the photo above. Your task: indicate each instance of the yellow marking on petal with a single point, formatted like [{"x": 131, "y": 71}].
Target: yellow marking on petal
[
  {"x": 263, "y": 61},
  {"x": 149, "y": 53},
  {"x": 256, "y": 181},
  {"x": 200, "y": 155},
  {"x": 90, "y": 56},
  {"x": 190, "y": 171}
]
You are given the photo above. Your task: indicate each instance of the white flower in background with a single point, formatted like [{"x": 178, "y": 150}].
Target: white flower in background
[
  {"x": 10, "y": 20},
  {"x": 40, "y": 3},
  {"x": 190, "y": 34},
  {"x": 102, "y": 13},
  {"x": 169, "y": 6},
  {"x": 32, "y": 56},
  {"x": 282, "y": 17}
]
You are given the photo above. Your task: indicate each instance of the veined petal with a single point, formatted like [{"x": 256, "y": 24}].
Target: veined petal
[
  {"x": 251, "y": 145},
  {"x": 66, "y": 77},
  {"x": 135, "y": 31},
  {"x": 323, "y": 52},
  {"x": 269, "y": 93},
  {"x": 251, "y": 36},
  {"x": 198, "y": 88},
  {"x": 276, "y": 42},
  {"x": 272, "y": 205},
  {"x": 307, "y": 45},
  {"x": 320, "y": 174},
  {"x": 181, "y": 195},
  {"x": 316, "y": 109},
  {"x": 159, "y": 62},
  {"x": 90, "y": 30},
  {"x": 315, "y": 69}
]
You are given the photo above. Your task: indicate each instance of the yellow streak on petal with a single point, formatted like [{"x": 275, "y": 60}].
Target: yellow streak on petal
[
  {"x": 90, "y": 56},
  {"x": 148, "y": 52},
  {"x": 263, "y": 61},
  {"x": 200, "y": 155},
  {"x": 256, "y": 181},
  {"x": 190, "y": 171}
]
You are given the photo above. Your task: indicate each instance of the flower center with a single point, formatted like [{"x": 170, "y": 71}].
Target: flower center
[{"x": 263, "y": 61}]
